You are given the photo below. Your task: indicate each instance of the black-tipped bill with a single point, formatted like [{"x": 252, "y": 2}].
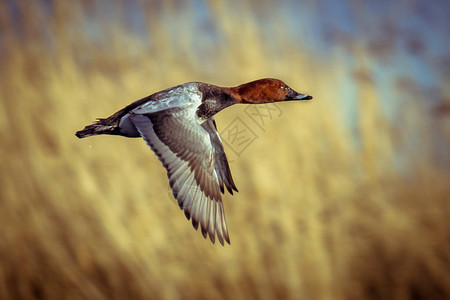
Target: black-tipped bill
[
  {"x": 298, "y": 96},
  {"x": 293, "y": 96}
]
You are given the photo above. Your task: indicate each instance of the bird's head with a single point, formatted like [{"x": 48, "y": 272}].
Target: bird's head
[{"x": 266, "y": 90}]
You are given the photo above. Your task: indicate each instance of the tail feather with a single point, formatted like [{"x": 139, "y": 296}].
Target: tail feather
[{"x": 99, "y": 127}]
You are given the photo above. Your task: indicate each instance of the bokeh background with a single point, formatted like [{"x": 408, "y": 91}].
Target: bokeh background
[{"x": 343, "y": 197}]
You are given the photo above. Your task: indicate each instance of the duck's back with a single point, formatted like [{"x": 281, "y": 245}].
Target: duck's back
[
  {"x": 120, "y": 124},
  {"x": 185, "y": 96},
  {"x": 179, "y": 96},
  {"x": 171, "y": 97}
]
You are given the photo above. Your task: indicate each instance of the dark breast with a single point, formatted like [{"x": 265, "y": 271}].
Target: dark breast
[{"x": 214, "y": 100}]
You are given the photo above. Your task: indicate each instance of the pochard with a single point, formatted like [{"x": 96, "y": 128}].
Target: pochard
[{"x": 178, "y": 125}]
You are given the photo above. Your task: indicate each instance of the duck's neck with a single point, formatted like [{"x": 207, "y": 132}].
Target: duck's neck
[
  {"x": 248, "y": 93},
  {"x": 215, "y": 99}
]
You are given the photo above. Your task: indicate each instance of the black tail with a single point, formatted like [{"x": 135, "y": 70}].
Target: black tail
[{"x": 99, "y": 127}]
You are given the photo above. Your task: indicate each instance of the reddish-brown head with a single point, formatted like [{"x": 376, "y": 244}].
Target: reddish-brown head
[{"x": 266, "y": 91}]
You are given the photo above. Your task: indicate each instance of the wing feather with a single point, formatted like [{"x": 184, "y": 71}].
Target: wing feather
[
  {"x": 188, "y": 152},
  {"x": 221, "y": 162}
]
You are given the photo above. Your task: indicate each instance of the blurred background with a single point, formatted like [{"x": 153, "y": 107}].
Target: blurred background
[{"x": 344, "y": 197}]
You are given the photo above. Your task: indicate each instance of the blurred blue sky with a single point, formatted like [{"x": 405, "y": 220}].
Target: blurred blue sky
[
  {"x": 408, "y": 42},
  {"x": 406, "y": 37}
]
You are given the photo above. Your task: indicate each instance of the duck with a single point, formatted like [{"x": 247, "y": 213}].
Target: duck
[{"x": 178, "y": 124}]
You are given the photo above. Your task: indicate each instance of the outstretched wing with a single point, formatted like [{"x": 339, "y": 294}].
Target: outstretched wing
[
  {"x": 221, "y": 161},
  {"x": 185, "y": 149}
]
